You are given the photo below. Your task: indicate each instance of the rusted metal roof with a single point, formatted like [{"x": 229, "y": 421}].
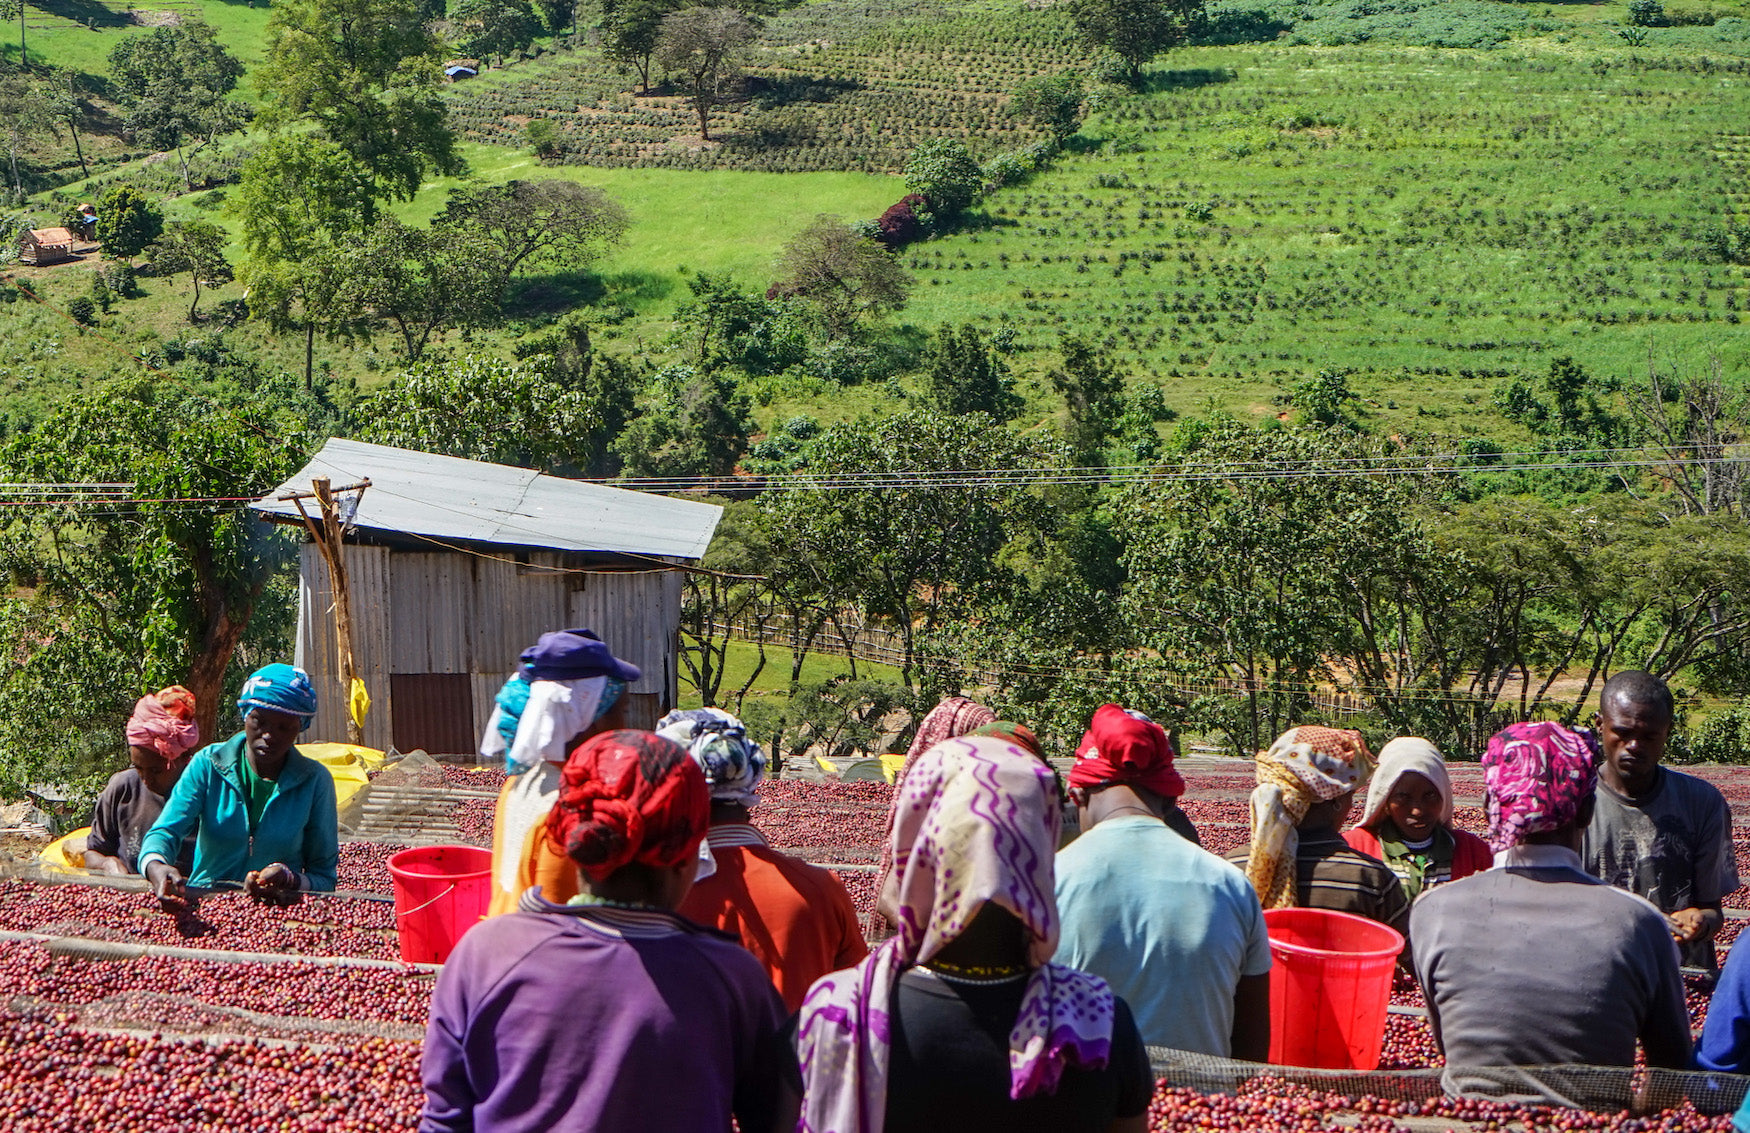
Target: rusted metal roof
[
  {"x": 447, "y": 498},
  {"x": 51, "y": 235}
]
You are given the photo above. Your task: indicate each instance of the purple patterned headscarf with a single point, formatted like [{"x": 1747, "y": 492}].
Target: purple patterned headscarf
[
  {"x": 1537, "y": 776},
  {"x": 975, "y": 820}
]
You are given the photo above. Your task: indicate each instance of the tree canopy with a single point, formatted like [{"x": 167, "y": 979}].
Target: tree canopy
[
  {"x": 1136, "y": 30},
  {"x": 841, "y": 274},
  {"x": 174, "y": 80},
  {"x": 706, "y": 46}
]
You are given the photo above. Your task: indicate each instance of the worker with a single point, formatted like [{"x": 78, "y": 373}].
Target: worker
[{"x": 160, "y": 734}]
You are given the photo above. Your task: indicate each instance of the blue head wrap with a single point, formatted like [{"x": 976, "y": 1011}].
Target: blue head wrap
[
  {"x": 511, "y": 700},
  {"x": 279, "y": 688}
]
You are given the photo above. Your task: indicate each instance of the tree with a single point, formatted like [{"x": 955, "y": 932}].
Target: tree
[
  {"x": 174, "y": 80},
  {"x": 558, "y": 225},
  {"x": 194, "y": 246},
  {"x": 631, "y": 30},
  {"x": 134, "y": 598},
  {"x": 687, "y": 424},
  {"x": 1051, "y": 102},
  {"x": 910, "y": 556},
  {"x": 482, "y": 408},
  {"x": 421, "y": 280},
  {"x": 295, "y": 195},
  {"x": 543, "y": 138},
  {"x": 943, "y": 172},
  {"x": 494, "y": 27},
  {"x": 706, "y": 45},
  {"x": 841, "y": 274},
  {"x": 1136, "y": 30},
  {"x": 722, "y": 325},
  {"x": 127, "y": 222},
  {"x": 966, "y": 377},
  {"x": 9, "y": 9},
  {"x": 366, "y": 73},
  {"x": 1092, "y": 385}
]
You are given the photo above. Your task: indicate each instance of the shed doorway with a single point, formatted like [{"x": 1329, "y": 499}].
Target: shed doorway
[{"x": 434, "y": 712}]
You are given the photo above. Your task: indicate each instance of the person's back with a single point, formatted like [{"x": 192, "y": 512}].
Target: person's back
[
  {"x": 1541, "y": 966},
  {"x": 660, "y": 1024},
  {"x": 949, "y": 1069},
  {"x": 1170, "y": 926},
  {"x": 796, "y": 919},
  {"x": 1330, "y": 874}
]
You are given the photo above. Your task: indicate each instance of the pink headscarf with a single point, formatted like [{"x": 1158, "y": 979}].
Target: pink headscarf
[
  {"x": 1537, "y": 776},
  {"x": 164, "y": 721},
  {"x": 976, "y": 821}
]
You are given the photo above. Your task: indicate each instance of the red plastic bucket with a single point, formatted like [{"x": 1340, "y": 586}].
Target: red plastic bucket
[
  {"x": 1330, "y": 983},
  {"x": 440, "y": 893}
]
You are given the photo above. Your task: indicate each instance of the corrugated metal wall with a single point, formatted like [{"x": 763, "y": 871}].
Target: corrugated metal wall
[{"x": 441, "y": 612}]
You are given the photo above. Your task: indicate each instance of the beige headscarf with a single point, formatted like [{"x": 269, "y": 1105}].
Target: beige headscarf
[
  {"x": 1398, "y": 758},
  {"x": 1306, "y": 765}
]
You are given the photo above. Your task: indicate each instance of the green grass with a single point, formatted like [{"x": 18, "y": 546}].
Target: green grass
[
  {"x": 774, "y": 679},
  {"x": 65, "y": 40}
]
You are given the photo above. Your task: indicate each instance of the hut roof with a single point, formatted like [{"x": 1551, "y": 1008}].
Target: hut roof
[
  {"x": 51, "y": 235},
  {"x": 445, "y": 497}
]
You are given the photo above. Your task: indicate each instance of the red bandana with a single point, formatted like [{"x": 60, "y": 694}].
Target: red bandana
[
  {"x": 629, "y": 797},
  {"x": 1129, "y": 748}
]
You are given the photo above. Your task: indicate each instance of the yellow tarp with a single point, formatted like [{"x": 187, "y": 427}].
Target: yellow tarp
[
  {"x": 54, "y": 855},
  {"x": 348, "y": 763},
  {"x": 892, "y": 763}
]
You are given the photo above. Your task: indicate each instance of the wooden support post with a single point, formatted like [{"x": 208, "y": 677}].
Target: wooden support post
[{"x": 328, "y": 541}]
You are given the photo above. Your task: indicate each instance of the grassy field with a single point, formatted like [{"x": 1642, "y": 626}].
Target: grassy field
[
  {"x": 1338, "y": 194},
  {"x": 774, "y": 679}
]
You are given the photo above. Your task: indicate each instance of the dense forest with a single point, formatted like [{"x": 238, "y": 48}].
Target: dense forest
[{"x": 1250, "y": 363}]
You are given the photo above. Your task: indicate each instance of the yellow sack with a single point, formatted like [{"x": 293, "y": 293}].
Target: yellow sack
[
  {"x": 359, "y": 703},
  {"x": 892, "y": 763},
  {"x": 350, "y": 765},
  {"x": 826, "y": 765},
  {"x": 55, "y": 855}
]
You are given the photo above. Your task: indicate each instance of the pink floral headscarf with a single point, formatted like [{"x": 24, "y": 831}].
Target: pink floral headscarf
[
  {"x": 1537, "y": 776},
  {"x": 976, "y": 820}
]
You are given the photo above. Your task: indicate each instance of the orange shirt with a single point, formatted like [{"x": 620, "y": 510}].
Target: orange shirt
[{"x": 795, "y": 918}]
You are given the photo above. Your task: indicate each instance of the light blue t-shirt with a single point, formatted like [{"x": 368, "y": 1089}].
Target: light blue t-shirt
[{"x": 1169, "y": 925}]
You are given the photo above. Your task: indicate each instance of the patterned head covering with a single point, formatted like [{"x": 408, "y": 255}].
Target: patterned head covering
[
  {"x": 734, "y": 765},
  {"x": 279, "y": 688},
  {"x": 1018, "y": 734},
  {"x": 1306, "y": 765},
  {"x": 977, "y": 821},
  {"x": 164, "y": 722},
  {"x": 955, "y": 716},
  {"x": 1537, "y": 776},
  {"x": 1400, "y": 757},
  {"x": 1126, "y": 747},
  {"x": 628, "y": 797}
]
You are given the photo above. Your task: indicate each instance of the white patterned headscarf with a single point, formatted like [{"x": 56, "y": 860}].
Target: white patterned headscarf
[
  {"x": 733, "y": 764},
  {"x": 975, "y": 821}
]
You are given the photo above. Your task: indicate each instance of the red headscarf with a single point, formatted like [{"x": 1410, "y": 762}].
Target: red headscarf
[
  {"x": 1126, "y": 747},
  {"x": 164, "y": 722},
  {"x": 629, "y": 797}
]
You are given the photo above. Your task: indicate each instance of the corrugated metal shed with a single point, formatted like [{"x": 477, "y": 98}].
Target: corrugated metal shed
[{"x": 444, "y": 497}]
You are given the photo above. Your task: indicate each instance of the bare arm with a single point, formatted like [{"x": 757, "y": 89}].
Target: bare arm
[
  {"x": 1251, "y": 1033},
  {"x": 103, "y": 863}
]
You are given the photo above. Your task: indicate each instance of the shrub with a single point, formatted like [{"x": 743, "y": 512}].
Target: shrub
[
  {"x": 1646, "y": 13},
  {"x": 901, "y": 225},
  {"x": 943, "y": 172},
  {"x": 1723, "y": 737},
  {"x": 83, "y": 310}
]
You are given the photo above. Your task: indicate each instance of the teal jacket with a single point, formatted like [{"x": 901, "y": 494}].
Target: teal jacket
[{"x": 299, "y": 827}]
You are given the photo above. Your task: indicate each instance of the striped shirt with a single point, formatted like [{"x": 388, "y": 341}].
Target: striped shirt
[{"x": 1330, "y": 875}]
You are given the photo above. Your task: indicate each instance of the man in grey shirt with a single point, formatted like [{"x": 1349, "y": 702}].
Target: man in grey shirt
[
  {"x": 1657, "y": 832},
  {"x": 1535, "y": 962}
]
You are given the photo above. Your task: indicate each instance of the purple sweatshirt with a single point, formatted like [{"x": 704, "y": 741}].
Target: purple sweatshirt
[{"x": 577, "y": 1019}]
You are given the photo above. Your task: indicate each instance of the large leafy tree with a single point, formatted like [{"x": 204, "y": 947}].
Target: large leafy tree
[
  {"x": 1054, "y": 103},
  {"x": 1136, "y": 30},
  {"x": 967, "y": 376},
  {"x": 366, "y": 73},
  {"x": 193, "y": 246},
  {"x": 687, "y": 423},
  {"x": 631, "y": 30},
  {"x": 706, "y": 47},
  {"x": 944, "y": 173},
  {"x": 557, "y": 225},
  {"x": 127, "y": 221},
  {"x": 28, "y": 109},
  {"x": 298, "y": 195},
  {"x": 122, "y": 598},
  {"x": 420, "y": 280},
  {"x": 494, "y": 27},
  {"x": 843, "y": 275},
  {"x": 173, "y": 81}
]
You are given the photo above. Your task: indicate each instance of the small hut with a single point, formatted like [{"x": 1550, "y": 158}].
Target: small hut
[
  {"x": 45, "y": 246},
  {"x": 455, "y": 566},
  {"x": 458, "y": 69}
]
